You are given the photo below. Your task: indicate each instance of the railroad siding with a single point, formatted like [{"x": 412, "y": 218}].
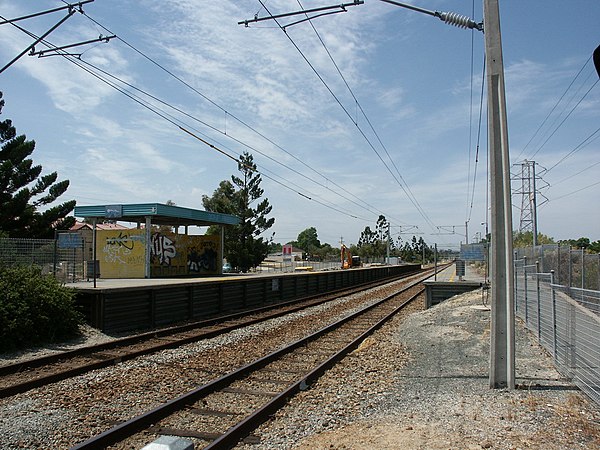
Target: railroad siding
[{"x": 115, "y": 310}]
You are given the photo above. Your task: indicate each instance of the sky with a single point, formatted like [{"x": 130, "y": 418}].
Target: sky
[{"x": 374, "y": 111}]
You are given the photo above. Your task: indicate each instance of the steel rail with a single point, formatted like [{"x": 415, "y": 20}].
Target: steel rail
[
  {"x": 236, "y": 433},
  {"x": 143, "y": 421},
  {"x": 102, "y": 360}
]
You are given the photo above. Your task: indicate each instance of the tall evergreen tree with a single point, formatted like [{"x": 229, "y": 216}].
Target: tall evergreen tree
[
  {"x": 244, "y": 248},
  {"x": 308, "y": 241},
  {"x": 24, "y": 191}
]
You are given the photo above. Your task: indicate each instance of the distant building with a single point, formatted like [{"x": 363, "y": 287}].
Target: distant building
[
  {"x": 86, "y": 230},
  {"x": 294, "y": 255}
]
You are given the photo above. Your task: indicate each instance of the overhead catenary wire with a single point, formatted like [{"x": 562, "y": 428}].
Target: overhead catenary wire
[
  {"x": 172, "y": 120},
  {"x": 359, "y": 106},
  {"x": 349, "y": 115},
  {"x": 252, "y": 148},
  {"x": 161, "y": 113},
  {"x": 363, "y": 204},
  {"x": 480, "y": 122},
  {"x": 471, "y": 191}
]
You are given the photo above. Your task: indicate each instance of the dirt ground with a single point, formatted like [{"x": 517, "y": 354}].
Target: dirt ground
[{"x": 440, "y": 397}]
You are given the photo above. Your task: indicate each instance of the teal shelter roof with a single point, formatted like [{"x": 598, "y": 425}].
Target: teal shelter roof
[{"x": 159, "y": 214}]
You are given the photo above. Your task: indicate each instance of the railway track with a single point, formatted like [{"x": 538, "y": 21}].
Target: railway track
[
  {"x": 21, "y": 377},
  {"x": 227, "y": 409}
]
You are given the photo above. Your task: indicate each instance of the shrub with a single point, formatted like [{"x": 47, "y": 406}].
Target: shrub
[{"x": 34, "y": 309}]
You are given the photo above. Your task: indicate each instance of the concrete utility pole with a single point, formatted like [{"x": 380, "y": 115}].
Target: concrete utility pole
[
  {"x": 502, "y": 345},
  {"x": 502, "y": 364}
]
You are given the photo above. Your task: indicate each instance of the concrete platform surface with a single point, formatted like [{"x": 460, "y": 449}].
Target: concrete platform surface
[{"x": 448, "y": 275}]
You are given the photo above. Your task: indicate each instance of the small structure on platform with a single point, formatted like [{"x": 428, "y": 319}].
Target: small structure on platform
[
  {"x": 152, "y": 249},
  {"x": 446, "y": 285}
]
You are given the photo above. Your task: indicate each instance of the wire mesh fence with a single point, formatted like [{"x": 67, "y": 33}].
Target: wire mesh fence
[
  {"x": 62, "y": 257},
  {"x": 572, "y": 267},
  {"x": 566, "y": 320}
]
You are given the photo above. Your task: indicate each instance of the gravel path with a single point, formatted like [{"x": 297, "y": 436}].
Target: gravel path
[{"x": 422, "y": 383}]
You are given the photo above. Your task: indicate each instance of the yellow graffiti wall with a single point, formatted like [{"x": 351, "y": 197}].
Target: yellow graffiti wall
[
  {"x": 122, "y": 253},
  {"x": 180, "y": 255}
]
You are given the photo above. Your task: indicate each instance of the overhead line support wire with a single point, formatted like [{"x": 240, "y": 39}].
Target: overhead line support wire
[
  {"x": 42, "y": 53},
  {"x": 429, "y": 222},
  {"x": 38, "y": 40},
  {"x": 171, "y": 120},
  {"x": 233, "y": 116},
  {"x": 450, "y": 18},
  {"x": 225, "y": 134},
  {"x": 408, "y": 191},
  {"x": 60, "y": 8},
  {"x": 342, "y": 8},
  {"x": 265, "y": 175}
]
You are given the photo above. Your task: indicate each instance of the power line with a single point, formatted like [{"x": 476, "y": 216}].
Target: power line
[
  {"x": 365, "y": 205},
  {"x": 575, "y": 174},
  {"x": 578, "y": 190},
  {"x": 581, "y": 145},
  {"x": 553, "y": 109},
  {"x": 566, "y": 117},
  {"x": 413, "y": 201}
]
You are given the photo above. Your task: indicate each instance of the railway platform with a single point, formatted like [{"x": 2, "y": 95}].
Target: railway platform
[
  {"x": 124, "y": 305},
  {"x": 455, "y": 279}
]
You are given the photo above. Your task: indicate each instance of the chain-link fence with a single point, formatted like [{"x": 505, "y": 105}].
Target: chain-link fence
[
  {"x": 572, "y": 267},
  {"x": 566, "y": 320},
  {"x": 62, "y": 257}
]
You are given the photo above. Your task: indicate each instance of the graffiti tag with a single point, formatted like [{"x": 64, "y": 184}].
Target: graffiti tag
[{"x": 163, "y": 248}]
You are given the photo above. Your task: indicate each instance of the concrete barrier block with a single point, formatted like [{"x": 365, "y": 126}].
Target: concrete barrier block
[{"x": 170, "y": 443}]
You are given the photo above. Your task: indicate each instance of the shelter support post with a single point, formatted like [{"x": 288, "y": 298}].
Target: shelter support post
[
  {"x": 147, "y": 268},
  {"x": 221, "y": 249}
]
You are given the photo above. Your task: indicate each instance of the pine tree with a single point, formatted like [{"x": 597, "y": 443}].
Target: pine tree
[
  {"x": 244, "y": 248},
  {"x": 23, "y": 190}
]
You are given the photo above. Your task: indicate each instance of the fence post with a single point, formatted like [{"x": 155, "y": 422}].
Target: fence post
[
  {"x": 553, "y": 315},
  {"x": 55, "y": 255},
  {"x": 537, "y": 282},
  {"x": 582, "y": 272},
  {"x": 516, "y": 278},
  {"x": 570, "y": 270},
  {"x": 525, "y": 288},
  {"x": 572, "y": 355},
  {"x": 557, "y": 263}
]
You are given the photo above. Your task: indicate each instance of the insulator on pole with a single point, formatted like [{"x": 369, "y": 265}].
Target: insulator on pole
[{"x": 459, "y": 20}]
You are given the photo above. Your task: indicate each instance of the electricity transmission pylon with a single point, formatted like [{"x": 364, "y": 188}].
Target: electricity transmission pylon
[{"x": 529, "y": 191}]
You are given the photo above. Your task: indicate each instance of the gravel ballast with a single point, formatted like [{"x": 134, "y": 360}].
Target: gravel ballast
[{"x": 422, "y": 382}]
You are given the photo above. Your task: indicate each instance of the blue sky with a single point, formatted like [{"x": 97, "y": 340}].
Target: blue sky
[{"x": 410, "y": 156}]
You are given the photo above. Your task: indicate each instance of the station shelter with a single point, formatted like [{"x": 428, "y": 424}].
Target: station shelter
[{"x": 154, "y": 247}]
